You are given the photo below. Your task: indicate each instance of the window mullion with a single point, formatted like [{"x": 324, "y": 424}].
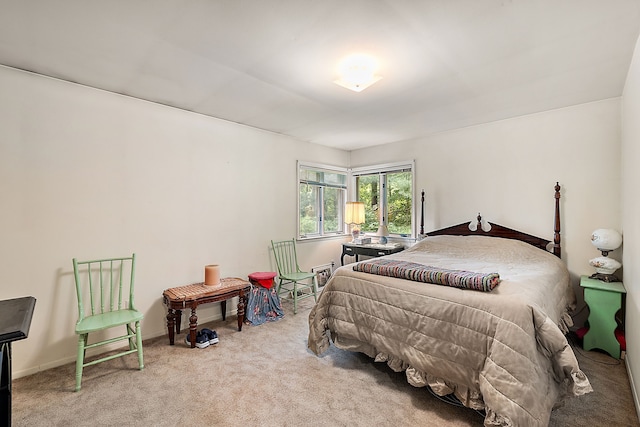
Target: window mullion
[
  {"x": 384, "y": 208},
  {"x": 321, "y": 210}
]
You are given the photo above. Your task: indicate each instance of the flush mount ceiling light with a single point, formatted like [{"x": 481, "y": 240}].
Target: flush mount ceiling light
[{"x": 357, "y": 72}]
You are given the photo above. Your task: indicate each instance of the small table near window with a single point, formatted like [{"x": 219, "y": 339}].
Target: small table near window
[
  {"x": 369, "y": 249},
  {"x": 191, "y": 296}
]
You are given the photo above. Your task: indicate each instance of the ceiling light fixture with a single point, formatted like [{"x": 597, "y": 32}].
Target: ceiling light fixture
[{"x": 357, "y": 72}]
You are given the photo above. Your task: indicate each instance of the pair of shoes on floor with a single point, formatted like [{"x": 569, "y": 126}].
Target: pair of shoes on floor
[
  {"x": 212, "y": 335},
  {"x": 204, "y": 338},
  {"x": 202, "y": 341}
]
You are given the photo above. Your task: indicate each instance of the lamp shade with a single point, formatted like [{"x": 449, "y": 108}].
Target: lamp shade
[
  {"x": 354, "y": 213},
  {"x": 606, "y": 239}
]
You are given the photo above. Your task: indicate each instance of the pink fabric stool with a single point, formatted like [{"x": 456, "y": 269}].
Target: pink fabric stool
[{"x": 263, "y": 278}]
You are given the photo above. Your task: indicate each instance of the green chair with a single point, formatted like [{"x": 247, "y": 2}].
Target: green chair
[
  {"x": 291, "y": 278},
  {"x": 105, "y": 300}
]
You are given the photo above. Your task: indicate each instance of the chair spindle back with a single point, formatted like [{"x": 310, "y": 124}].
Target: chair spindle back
[
  {"x": 286, "y": 257},
  {"x": 107, "y": 283}
]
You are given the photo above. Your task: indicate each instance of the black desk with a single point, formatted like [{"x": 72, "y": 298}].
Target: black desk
[
  {"x": 370, "y": 249},
  {"x": 15, "y": 320}
]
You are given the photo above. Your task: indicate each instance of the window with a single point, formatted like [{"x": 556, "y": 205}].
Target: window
[
  {"x": 321, "y": 200},
  {"x": 387, "y": 193}
]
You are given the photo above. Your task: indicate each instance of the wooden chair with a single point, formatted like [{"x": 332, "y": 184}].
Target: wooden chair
[
  {"x": 105, "y": 300},
  {"x": 291, "y": 278}
]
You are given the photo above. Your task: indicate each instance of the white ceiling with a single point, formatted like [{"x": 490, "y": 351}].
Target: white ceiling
[{"x": 271, "y": 64}]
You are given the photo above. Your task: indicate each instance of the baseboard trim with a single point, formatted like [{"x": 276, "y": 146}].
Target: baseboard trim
[
  {"x": 633, "y": 388},
  {"x": 145, "y": 336}
]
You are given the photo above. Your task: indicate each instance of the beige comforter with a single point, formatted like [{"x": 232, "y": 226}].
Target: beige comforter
[{"x": 503, "y": 351}]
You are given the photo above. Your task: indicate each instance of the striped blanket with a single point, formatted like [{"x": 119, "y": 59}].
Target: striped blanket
[{"x": 424, "y": 273}]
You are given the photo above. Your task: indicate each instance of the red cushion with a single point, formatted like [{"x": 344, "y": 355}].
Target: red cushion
[
  {"x": 263, "y": 278},
  {"x": 263, "y": 275}
]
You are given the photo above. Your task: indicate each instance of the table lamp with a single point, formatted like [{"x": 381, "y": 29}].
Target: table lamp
[
  {"x": 605, "y": 240},
  {"x": 354, "y": 216}
]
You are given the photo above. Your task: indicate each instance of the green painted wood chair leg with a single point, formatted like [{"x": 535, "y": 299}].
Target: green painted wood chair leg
[
  {"x": 139, "y": 346},
  {"x": 79, "y": 359},
  {"x": 295, "y": 298}
]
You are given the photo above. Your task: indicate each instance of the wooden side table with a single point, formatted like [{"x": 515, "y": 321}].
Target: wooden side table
[
  {"x": 191, "y": 296},
  {"x": 604, "y": 300},
  {"x": 370, "y": 249}
]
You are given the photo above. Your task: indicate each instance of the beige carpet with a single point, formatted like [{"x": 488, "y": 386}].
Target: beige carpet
[{"x": 265, "y": 376}]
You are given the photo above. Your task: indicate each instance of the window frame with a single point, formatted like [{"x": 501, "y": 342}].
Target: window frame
[
  {"x": 380, "y": 169},
  {"x": 340, "y": 204}
]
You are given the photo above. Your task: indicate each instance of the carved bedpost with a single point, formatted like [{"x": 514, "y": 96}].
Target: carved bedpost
[{"x": 557, "y": 251}]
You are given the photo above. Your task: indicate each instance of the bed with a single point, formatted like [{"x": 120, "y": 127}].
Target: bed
[{"x": 490, "y": 331}]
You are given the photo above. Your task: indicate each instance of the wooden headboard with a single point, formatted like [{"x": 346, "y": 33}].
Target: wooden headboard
[{"x": 496, "y": 230}]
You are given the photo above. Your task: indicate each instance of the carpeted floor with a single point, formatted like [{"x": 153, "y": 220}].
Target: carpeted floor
[{"x": 265, "y": 375}]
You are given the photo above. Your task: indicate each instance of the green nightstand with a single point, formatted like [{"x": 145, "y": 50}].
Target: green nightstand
[{"x": 604, "y": 300}]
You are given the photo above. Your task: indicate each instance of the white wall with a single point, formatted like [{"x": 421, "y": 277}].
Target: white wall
[
  {"x": 631, "y": 217},
  {"x": 506, "y": 170},
  {"x": 86, "y": 173}
]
